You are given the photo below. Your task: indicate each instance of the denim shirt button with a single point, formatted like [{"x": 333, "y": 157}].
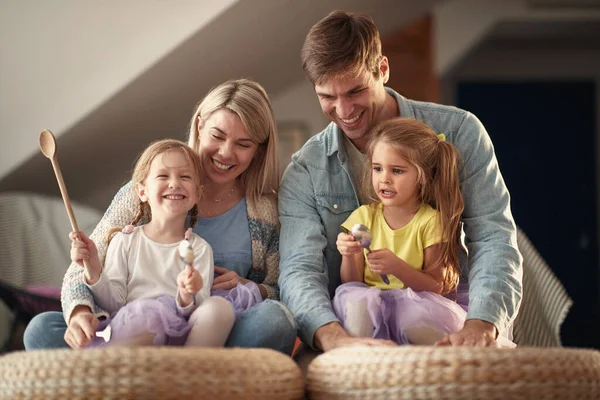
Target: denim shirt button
[{"x": 335, "y": 206}]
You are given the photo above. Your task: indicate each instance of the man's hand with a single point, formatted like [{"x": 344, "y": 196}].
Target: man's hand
[
  {"x": 333, "y": 335},
  {"x": 475, "y": 333},
  {"x": 82, "y": 327}
]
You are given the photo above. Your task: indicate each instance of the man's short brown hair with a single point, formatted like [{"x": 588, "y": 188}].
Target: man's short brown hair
[{"x": 339, "y": 44}]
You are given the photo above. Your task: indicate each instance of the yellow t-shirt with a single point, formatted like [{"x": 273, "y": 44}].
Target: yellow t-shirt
[{"x": 408, "y": 242}]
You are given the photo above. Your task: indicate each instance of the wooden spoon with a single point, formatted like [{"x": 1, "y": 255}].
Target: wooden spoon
[{"x": 48, "y": 147}]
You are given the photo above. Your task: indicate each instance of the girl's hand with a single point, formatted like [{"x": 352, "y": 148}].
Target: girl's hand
[
  {"x": 227, "y": 279},
  {"x": 189, "y": 280},
  {"x": 82, "y": 327},
  {"x": 85, "y": 249},
  {"x": 347, "y": 245},
  {"x": 383, "y": 261}
]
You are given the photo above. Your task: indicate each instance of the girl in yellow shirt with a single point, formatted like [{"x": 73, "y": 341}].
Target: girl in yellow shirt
[{"x": 414, "y": 216}]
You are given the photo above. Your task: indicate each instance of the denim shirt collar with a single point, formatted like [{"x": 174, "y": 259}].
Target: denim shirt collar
[
  {"x": 336, "y": 144},
  {"x": 404, "y": 107}
]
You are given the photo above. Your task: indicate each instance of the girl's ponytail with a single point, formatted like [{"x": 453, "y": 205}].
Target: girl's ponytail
[
  {"x": 143, "y": 211},
  {"x": 448, "y": 200}
]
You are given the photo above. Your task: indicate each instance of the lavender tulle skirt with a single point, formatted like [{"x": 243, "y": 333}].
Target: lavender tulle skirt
[
  {"x": 243, "y": 297},
  {"x": 158, "y": 316},
  {"x": 392, "y": 312}
]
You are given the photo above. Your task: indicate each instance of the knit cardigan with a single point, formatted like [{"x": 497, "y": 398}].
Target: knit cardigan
[{"x": 264, "y": 233}]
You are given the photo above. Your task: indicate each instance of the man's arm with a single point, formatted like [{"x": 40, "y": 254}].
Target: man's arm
[
  {"x": 495, "y": 263},
  {"x": 303, "y": 277}
]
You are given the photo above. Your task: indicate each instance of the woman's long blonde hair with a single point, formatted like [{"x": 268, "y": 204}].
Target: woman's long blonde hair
[
  {"x": 438, "y": 164},
  {"x": 250, "y": 102},
  {"x": 142, "y": 170}
]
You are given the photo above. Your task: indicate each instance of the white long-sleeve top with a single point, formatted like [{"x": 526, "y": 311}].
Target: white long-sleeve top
[{"x": 137, "y": 267}]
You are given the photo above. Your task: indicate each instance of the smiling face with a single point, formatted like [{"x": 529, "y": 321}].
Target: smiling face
[
  {"x": 226, "y": 147},
  {"x": 355, "y": 103},
  {"x": 394, "y": 179},
  {"x": 170, "y": 187}
]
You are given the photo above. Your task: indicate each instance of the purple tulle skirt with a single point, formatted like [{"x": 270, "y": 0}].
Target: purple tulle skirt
[
  {"x": 243, "y": 297},
  {"x": 154, "y": 315},
  {"x": 395, "y": 310}
]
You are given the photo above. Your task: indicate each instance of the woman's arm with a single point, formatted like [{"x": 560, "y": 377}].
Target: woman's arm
[
  {"x": 264, "y": 233},
  {"x": 269, "y": 288},
  {"x": 74, "y": 292}
]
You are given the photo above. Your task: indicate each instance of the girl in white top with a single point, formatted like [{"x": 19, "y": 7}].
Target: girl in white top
[{"x": 151, "y": 295}]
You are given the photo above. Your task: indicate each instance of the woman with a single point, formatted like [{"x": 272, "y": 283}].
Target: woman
[{"x": 233, "y": 130}]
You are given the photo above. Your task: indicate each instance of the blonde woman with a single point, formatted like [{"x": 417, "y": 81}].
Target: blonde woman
[{"x": 233, "y": 130}]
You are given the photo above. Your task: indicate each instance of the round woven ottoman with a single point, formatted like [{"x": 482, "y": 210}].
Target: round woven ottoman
[
  {"x": 150, "y": 373},
  {"x": 426, "y": 372}
]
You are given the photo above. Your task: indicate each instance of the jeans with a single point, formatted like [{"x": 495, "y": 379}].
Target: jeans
[{"x": 268, "y": 325}]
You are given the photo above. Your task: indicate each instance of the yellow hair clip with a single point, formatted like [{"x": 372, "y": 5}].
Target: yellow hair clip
[{"x": 441, "y": 137}]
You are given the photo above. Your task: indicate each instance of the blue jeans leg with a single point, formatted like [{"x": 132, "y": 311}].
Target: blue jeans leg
[
  {"x": 46, "y": 331},
  {"x": 268, "y": 325}
]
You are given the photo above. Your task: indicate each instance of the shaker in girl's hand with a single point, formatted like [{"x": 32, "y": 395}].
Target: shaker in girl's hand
[
  {"x": 363, "y": 235},
  {"x": 186, "y": 253}
]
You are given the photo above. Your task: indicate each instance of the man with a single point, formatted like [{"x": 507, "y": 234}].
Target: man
[{"x": 342, "y": 58}]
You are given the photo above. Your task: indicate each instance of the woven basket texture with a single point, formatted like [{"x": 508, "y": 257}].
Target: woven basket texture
[
  {"x": 150, "y": 373},
  {"x": 427, "y": 372}
]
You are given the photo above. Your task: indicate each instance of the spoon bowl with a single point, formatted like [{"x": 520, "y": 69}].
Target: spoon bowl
[
  {"x": 186, "y": 253},
  {"x": 363, "y": 235},
  {"x": 48, "y": 143}
]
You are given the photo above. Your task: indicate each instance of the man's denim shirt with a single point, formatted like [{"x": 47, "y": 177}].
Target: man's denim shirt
[{"x": 317, "y": 195}]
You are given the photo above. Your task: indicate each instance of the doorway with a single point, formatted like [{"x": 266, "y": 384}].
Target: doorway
[{"x": 544, "y": 134}]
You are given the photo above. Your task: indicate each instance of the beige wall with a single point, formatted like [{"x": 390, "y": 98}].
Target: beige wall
[{"x": 61, "y": 59}]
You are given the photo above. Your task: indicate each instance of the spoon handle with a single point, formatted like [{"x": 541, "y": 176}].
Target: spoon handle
[
  {"x": 383, "y": 276},
  {"x": 67, "y": 201}
]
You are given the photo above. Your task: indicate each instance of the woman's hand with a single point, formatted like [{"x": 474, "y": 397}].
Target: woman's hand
[
  {"x": 227, "y": 279},
  {"x": 383, "y": 261},
  {"x": 82, "y": 327},
  {"x": 347, "y": 245},
  {"x": 85, "y": 249}
]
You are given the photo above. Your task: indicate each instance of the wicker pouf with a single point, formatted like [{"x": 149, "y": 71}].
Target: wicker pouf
[
  {"x": 425, "y": 372},
  {"x": 150, "y": 373}
]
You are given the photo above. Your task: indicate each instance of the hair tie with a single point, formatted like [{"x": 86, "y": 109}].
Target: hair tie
[
  {"x": 441, "y": 137},
  {"x": 188, "y": 234},
  {"x": 128, "y": 229}
]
